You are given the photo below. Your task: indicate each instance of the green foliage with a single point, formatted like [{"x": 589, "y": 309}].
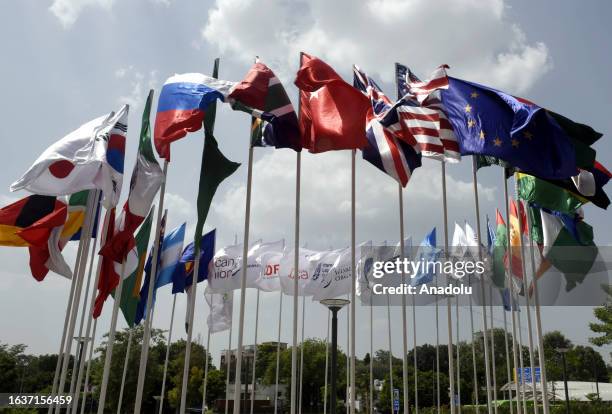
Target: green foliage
[{"x": 604, "y": 327}]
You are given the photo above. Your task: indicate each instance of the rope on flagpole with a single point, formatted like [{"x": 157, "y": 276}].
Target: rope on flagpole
[
  {"x": 509, "y": 282},
  {"x": 484, "y": 301},
  {"x": 449, "y": 316},
  {"x": 146, "y": 338},
  {"x": 125, "y": 367},
  {"x": 163, "y": 387}
]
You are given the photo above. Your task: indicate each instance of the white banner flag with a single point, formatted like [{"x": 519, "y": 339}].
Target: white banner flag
[
  {"x": 221, "y": 309},
  {"x": 254, "y": 264},
  {"x": 304, "y": 273},
  {"x": 227, "y": 264}
]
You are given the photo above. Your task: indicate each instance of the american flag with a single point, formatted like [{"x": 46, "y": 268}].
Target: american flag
[
  {"x": 385, "y": 149},
  {"x": 422, "y": 113}
]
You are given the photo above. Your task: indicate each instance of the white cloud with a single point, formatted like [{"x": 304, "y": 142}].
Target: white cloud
[
  {"x": 68, "y": 11},
  {"x": 474, "y": 37},
  {"x": 137, "y": 85}
]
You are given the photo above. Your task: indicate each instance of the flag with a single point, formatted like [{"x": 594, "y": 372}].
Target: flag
[
  {"x": 220, "y": 316},
  {"x": 88, "y": 158},
  {"x": 171, "y": 246},
  {"x": 384, "y": 149},
  {"x": 22, "y": 214},
  {"x": 227, "y": 264},
  {"x": 568, "y": 245},
  {"x": 182, "y": 103},
  {"x": 596, "y": 195},
  {"x": 262, "y": 95},
  {"x": 307, "y": 262},
  {"x": 423, "y": 121},
  {"x": 183, "y": 274},
  {"x": 500, "y": 247},
  {"x": 459, "y": 243},
  {"x": 146, "y": 180},
  {"x": 428, "y": 252},
  {"x": 516, "y": 239},
  {"x": 254, "y": 263},
  {"x": 333, "y": 277},
  {"x": 534, "y": 190},
  {"x": 332, "y": 112},
  {"x": 269, "y": 276},
  {"x": 109, "y": 278},
  {"x": 77, "y": 208},
  {"x": 491, "y": 122},
  {"x": 130, "y": 293}
]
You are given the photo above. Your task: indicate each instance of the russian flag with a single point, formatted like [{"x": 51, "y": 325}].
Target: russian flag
[{"x": 181, "y": 107}]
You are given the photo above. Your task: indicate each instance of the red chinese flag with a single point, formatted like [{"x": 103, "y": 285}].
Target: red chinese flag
[{"x": 332, "y": 112}]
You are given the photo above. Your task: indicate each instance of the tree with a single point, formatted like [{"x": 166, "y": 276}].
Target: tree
[{"x": 604, "y": 315}]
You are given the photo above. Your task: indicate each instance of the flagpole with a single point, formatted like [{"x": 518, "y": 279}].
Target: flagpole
[
  {"x": 125, "y": 367},
  {"x": 414, "y": 341},
  {"x": 473, "y": 346},
  {"x": 508, "y": 370},
  {"x": 457, "y": 354},
  {"x": 86, "y": 384},
  {"x": 482, "y": 290},
  {"x": 111, "y": 341},
  {"x": 302, "y": 356},
  {"x": 511, "y": 294},
  {"x": 280, "y": 314},
  {"x": 437, "y": 354},
  {"x": 254, "y": 353},
  {"x": 77, "y": 361},
  {"x": 494, "y": 372},
  {"x": 228, "y": 364},
  {"x": 326, "y": 365},
  {"x": 295, "y": 281},
  {"x": 79, "y": 273},
  {"x": 191, "y": 308},
  {"x": 391, "y": 354},
  {"x": 353, "y": 282},
  {"x": 527, "y": 301},
  {"x": 163, "y": 387},
  {"x": 541, "y": 358},
  {"x": 449, "y": 316},
  {"x": 371, "y": 356},
  {"x": 91, "y": 320},
  {"x": 146, "y": 338},
  {"x": 348, "y": 359},
  {"x": 521, "y": 359},
  {"x": 404, "y": 316}
]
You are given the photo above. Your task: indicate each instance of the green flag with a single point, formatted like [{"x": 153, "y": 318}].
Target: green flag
[
  {"x": 499, "y": 251},
  {"x": 130, "y": 295},
  {"x": 547, "y": 195},
  {"x": 215, "y": 167}
]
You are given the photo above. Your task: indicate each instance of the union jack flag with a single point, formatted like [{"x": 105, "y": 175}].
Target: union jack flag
[
  {"x": 385, "y": 149},
  {"x": 424, "y": 121}
]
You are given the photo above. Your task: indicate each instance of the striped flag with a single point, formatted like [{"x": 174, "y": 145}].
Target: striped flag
[
  {"x": 385, "y": 150},
  {"x": 423, "y": 120}
]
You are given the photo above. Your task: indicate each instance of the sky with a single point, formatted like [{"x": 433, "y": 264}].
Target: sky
[{"x": 68, "y": 61}]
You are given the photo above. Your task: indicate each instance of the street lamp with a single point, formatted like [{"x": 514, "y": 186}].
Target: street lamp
[
  {"x": 563, "y": 351},
  {"x": 334, "y": 306}
]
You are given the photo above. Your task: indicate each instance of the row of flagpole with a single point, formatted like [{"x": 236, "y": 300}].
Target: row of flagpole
[{"x": 79, "y": 275}]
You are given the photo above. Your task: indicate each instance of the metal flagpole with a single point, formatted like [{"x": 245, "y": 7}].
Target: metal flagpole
[
  {"x": 437, "y": 355},
  {"x": 302, "y": 356},
  {"x": 205, "y": 385},
  {"x": 326, "y": 365},
  {"x": 353, "y": 282},
  {"x": 494, "y": 372},
  {"x": 508, "y": 370},
  {"x": 79, "y": 273},
  {"x": 90, "y": 320},
  {"x": 255, "y": 353},
  {"x": 449, "y": 316},
  {"x": 371, "y": 356},
  {"x": 146, "y": 338},
  {"x": 390, "y": 353},
  {"x": 348, "y": 360},
  {"x": 245, "y": 251},
  {"x": 541, "y": 358},
  {"x": 414, "y": 342},
  {"x": 459, "y": 402},
  {"x": 77, "y": 361},
  {"x": 400, "y": 194},
  {"x": 527, "y": 301},
  {"x": 296, "y": 247},
  {"x": 86, "y": 384},
  {"x": 521, "y": 359},
  {"x": 280, "y": 315},
  {"x": 509, "y": 282},
  {"x": 228, "y": 364},
  {"x": 191, "y": 309},
  {"x": 163, "y": 387},
  {"x": 482, "y": 290},
  {"x": 473, "y": 346},
  {"x": 111, "y": 341},
  {"x": 125, "y": 367}
]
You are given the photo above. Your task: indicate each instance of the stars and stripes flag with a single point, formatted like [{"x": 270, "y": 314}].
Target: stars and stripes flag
[
  {"x": 385, "y": 150},
  {"x": 423, "y": 120}
]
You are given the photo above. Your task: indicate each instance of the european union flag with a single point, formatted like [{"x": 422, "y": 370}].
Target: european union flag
[
  {"x": 491, "y": 122},
  {"x": 183, "y": 274}
]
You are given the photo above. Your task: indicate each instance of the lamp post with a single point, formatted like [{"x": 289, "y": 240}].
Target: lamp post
[
  {"x": 563, "y": 351},
  {"x": 334, "y": 306}
]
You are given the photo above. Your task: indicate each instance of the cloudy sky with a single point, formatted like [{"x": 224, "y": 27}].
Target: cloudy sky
[{"x": 68, "y": 61}]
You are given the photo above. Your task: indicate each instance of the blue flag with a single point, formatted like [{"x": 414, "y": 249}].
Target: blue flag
[
  {"x": 183, "y": 274},
  {"x": 428, "y": 252},
  {"x": 491, "y": 122}
]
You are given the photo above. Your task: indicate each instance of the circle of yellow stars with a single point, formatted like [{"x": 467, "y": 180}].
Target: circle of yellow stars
[{"x": 471, "y": 123}]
